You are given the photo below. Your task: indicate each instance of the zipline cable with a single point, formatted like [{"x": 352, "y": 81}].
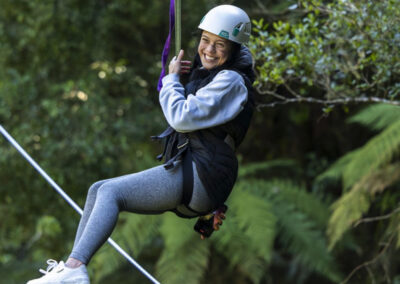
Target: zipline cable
[{"x": 69, "y": 200}]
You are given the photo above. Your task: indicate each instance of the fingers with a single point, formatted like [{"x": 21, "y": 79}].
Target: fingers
[
  {"x": 186, "y": 63},
  {"x": 185, "y": 66},
  {"x": 217, "y": 222},
  {"x": 179, "y": 66}
]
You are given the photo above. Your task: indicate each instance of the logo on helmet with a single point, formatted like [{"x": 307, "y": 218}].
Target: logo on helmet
[
  {"x": 224, "y": 34},
  {"x": 237, "y": 29}
]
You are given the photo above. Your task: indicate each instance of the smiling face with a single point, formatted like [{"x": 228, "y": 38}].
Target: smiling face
[{"x": 213, "y": 50}]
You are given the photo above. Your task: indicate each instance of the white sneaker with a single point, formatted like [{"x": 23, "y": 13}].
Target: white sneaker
[{"x": 58, "y": 273}]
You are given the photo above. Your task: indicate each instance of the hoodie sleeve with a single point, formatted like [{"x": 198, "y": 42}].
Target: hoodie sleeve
[{"x": 216, "y": 103}]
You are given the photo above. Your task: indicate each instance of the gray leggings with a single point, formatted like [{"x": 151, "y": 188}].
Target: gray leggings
[{"x": 152, "y": 191}]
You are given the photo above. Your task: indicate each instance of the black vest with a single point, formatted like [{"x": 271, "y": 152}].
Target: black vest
[{"x": 212, "y": 149}]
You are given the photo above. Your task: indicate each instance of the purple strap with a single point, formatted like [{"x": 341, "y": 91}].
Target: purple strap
[{"x": 167, "y": 45}]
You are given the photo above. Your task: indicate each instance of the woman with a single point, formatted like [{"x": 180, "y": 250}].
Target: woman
[{"x": 208, "y": 119}]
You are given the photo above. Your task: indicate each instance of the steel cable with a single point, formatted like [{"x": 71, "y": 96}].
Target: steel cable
[{"x": 14, "y": 143}]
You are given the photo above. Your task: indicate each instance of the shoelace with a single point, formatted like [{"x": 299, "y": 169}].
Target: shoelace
[{"x": 51, "y": 265}]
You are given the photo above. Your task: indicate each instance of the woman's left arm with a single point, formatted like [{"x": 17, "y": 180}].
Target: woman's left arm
[{"x": 217, "y": 103}]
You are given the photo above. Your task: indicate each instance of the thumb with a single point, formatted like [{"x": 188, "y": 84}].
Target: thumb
[{"x": 180, "y": 55}]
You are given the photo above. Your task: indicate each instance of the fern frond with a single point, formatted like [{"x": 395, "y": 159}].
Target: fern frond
[
  {"x": 185, "y": 257},
  {"x": 255, "y": 218},
  {"x": 135, "y": 231},
  {"x": 353, "y": 204},
  {"x": 303, "y": 201},
  {"x": 346, "y": 210},
  {"x": 379, "y": 151},
  {"x": 335, "y": 172},
  {"x": 289, "y": 192},
  {"x": 295, "y": 212},
  {"x": 105, "y": 262},
  {"x": 301, "y": 238},
  {"x": 236, "y": 247},
  {"x": 279, "y": 165},
  {"x": 377, "y": 116}
]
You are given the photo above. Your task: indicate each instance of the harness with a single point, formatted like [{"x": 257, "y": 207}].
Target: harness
[
  {"x": 177, "y": 147},
  {"x": 178, "y": 144}
]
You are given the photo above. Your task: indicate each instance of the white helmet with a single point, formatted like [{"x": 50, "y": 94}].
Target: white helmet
[{"x": 229, "y": 22}]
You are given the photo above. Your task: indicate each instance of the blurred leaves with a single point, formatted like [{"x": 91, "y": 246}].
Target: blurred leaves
[
  {"x": 337, "y": 50},
  {"x": 78, "y": 92}
]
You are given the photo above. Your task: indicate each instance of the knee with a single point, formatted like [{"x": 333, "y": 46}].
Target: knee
[
  {"x": 92, "y": 192},
  {"x": 108, "y": 192}
]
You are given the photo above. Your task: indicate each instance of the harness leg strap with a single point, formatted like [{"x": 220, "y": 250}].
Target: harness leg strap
[{"x": 187, "y": 168}]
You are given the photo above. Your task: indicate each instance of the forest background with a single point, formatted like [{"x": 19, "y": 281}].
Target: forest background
[{"x": 317, "y": 197}]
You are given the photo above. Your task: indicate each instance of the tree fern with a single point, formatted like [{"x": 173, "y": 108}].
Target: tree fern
[
  {"x": 303, "y": 201},
  {"x": 335, "y": 172},
  {"x": 297, "y": 213},
  {"x": 353, "y": 204},
  {"x": 364, "y": 171},
  {"x": 135, "y": 231},
  {"x": 379, "y": 151},
  {"x": 377, "y": 116},
  {"x": 185, "y": 257},
  {"x": 292, "y": 193},
  {"x": 105, "y": 262},
  {"x": 284, "y": 165},
  {"x": 301, "y": 238},
  {"x": 237, "y": 248},
  {"x": 255, "y": 219}
]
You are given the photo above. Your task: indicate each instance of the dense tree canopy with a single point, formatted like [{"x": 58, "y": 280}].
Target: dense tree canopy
[{"x": 317, "y": 198}]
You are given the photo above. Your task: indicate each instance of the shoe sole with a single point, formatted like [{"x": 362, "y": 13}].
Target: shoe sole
[{"x": 76, "y": 281}]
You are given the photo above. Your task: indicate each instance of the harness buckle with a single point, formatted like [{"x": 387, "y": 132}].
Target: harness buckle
[{"x": 184, "y": 144}]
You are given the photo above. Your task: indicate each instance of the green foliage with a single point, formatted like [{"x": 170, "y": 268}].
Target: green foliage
[
  {"x": 185, "y": 257},
  {"x": 138, "y": 231},
  {"x": 283, "y": 165},
  {"x": 353, "y": 204},
  {"x": 366, "y": 171},
  {"x": 300, "y": 216},
  {"x": 334, "y": 50},
  {"x": 379, "y": 151},
  {"x": 77, "y": 80},
  {"x": 300, "y": 234},
  {"x": 257, "y": 221},
  {"x": 335, "y": 171},
  {"x": 377, "y": 117}
]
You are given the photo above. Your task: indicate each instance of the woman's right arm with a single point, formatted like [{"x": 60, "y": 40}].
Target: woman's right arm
[{"x": 218, "y": 102}]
